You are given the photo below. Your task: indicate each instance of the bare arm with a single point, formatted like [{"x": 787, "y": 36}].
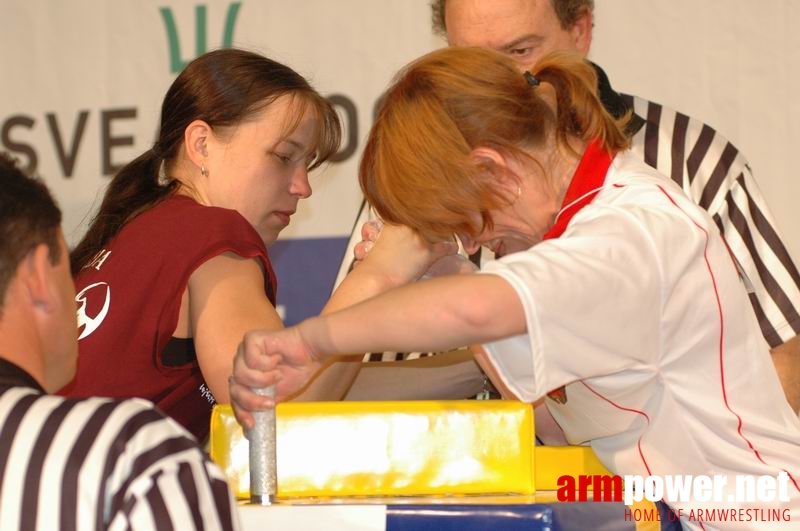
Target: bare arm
[
  {"x": 786, "y": 358},
  {"x": 226, "y": 299},
  {"x": 459, "y": 310},
  {"x": 398, "y": 257}
]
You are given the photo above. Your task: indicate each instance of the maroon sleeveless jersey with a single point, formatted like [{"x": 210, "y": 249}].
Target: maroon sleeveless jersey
[{"x": 129, "y": 297}]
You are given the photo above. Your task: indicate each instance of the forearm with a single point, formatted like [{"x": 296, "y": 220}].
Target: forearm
[
  {"x": 430, "y": 316},
  {"x": 334, "y": 380},
  {"x": 360, "y": 284}
]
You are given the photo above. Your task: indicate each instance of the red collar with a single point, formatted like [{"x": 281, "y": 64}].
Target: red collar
[{"x": 586, "y": 183}]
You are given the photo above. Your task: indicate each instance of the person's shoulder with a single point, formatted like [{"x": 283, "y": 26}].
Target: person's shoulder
[
  {"x": 630, "y": 178},
  {"x": 129, "y": 418},
  {"x": 627, "y": 165},
  {"x": 181, "y": 224},
  {"x": 211, "y": 221},
  {"x": 670, "y": 119},
  {"x": 182, "y": 209},
  {"x": 138, "y": 413},
  {"x": 93, "y": 414}
]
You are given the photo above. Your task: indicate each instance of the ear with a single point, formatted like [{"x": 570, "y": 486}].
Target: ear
[
  {"x": 195, "y": 139},
  {"x": 488, "y": 159},
  {"x": 582, "y": 31},
  {"x": 36, "y": 274},
  {"x": 498, "y": 167}
]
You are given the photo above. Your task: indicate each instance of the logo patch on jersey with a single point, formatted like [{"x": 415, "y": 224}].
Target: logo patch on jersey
[
  {"x": 90, "y": 324},
  {"x": 205, "y": 392}
]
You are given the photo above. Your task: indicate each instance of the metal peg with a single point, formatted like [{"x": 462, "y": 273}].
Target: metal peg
[{"x": 263, "y": 461}]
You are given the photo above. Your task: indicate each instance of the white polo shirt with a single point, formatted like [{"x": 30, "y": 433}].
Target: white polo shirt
[{"x": 638, "y": 309}]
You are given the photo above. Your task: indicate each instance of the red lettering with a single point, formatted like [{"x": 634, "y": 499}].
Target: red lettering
[
  {"x": 584, "y": 482},
  {"x": 603, "y": 486},
  {"x": 566, "y": 490}
]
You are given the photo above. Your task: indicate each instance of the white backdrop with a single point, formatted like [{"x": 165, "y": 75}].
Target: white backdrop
[{"x": 82, "y": 83}]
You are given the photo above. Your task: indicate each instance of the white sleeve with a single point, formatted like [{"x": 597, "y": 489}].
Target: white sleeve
[{"x": 592, "y": 302}]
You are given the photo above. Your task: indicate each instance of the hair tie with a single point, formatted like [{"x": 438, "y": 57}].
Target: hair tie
[{"x": 531, "y": 79}]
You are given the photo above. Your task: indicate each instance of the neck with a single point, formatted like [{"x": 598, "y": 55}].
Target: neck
[
  {"x": 190, "y": 191},
  {"x": 190, "y": 183},
  {"x": 20, "y": 345},
  {"x": 566, "y": 160}
]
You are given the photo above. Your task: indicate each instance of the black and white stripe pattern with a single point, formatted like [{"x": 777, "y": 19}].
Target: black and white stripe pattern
[
  {"x": 71, "y": 464},
  {"x": 716, "y": 176}
]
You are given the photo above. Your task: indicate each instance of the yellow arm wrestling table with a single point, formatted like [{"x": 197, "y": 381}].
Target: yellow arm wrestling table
[{"x": 415, "y": 466}]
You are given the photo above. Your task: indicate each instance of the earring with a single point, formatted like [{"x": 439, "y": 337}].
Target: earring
[
  {"x": 203, "y": 170},
  {"x": 519, "y": 194}
]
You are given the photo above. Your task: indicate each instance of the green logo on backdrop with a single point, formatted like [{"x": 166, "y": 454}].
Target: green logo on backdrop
[{"x": 176, "y": 61}]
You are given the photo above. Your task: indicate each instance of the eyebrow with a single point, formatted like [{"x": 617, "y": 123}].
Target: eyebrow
[
  {"x": 306, "y": 151},
  {"x": 518, "y": 40},
  {"x": 295, "y": 143}
]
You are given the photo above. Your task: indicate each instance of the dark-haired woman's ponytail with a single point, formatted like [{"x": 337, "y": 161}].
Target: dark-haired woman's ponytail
[{"x": 134, "y": 189}]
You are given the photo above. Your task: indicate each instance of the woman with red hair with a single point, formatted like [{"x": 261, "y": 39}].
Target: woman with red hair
[{"x": 614, "y": 295}]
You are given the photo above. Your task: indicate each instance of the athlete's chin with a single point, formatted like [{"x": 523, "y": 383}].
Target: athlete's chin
[{"x": 269, "y": 234}]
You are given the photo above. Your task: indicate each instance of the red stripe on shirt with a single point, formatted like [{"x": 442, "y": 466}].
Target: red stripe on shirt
[{"x": 740, "y": 427}]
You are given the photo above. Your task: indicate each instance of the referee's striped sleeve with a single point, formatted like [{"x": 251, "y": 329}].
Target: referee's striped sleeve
[
  {"x": 102, "y": 464},
  {"x": 716, "y": 175}
]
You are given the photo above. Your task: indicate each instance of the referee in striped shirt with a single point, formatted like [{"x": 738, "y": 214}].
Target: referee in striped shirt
[
  {"x": 79, "y": 463},
  {"x": 710, "y": 169}
]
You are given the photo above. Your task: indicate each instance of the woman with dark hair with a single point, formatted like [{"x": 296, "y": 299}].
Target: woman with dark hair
[
  {"x": 615, "y": 296},
  {"x": 174, "y": 267}
]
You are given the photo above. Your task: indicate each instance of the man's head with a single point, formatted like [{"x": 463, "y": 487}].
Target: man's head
[
  {"x": 37, "y": 296},
  {"x": 525, "y": 30}
]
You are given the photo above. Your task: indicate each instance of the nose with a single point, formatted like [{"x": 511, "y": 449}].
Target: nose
[
  {"x": 470, "y": 245},
  {"x": 300, "y": 186}
]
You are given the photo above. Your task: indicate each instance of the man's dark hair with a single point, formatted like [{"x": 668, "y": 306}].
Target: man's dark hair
[
  {"x": 567, "y": 11},
  {"x": 28, "y": 217}
]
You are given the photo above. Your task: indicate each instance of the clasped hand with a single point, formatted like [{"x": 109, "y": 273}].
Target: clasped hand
[
  {"x": 287, "y": 359},
  {"x": 400, "y": 251},
  {"x": 282, "y": 358}
]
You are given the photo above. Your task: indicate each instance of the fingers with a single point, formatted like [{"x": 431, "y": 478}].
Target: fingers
[
  {"x": 245, "y": 401},
  {"x": 371, "y": 229},
  {"x": 369, "y": 234},
  {"x": 253, "y": 368},
  {"x": 363, "y": 248}
]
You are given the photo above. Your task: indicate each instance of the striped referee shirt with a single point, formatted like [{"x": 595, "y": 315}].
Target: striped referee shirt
[
  {"x": 80, "y": 464},
  {"x": 715, "y": 174}
]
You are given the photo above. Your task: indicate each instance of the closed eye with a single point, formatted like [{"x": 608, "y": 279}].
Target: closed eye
[
  {"x": 284, "y": 158},
  {"x": 519, "y": 52}
]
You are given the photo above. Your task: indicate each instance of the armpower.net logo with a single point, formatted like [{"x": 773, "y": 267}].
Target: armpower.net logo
[{"x": 717, "y": 499}]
